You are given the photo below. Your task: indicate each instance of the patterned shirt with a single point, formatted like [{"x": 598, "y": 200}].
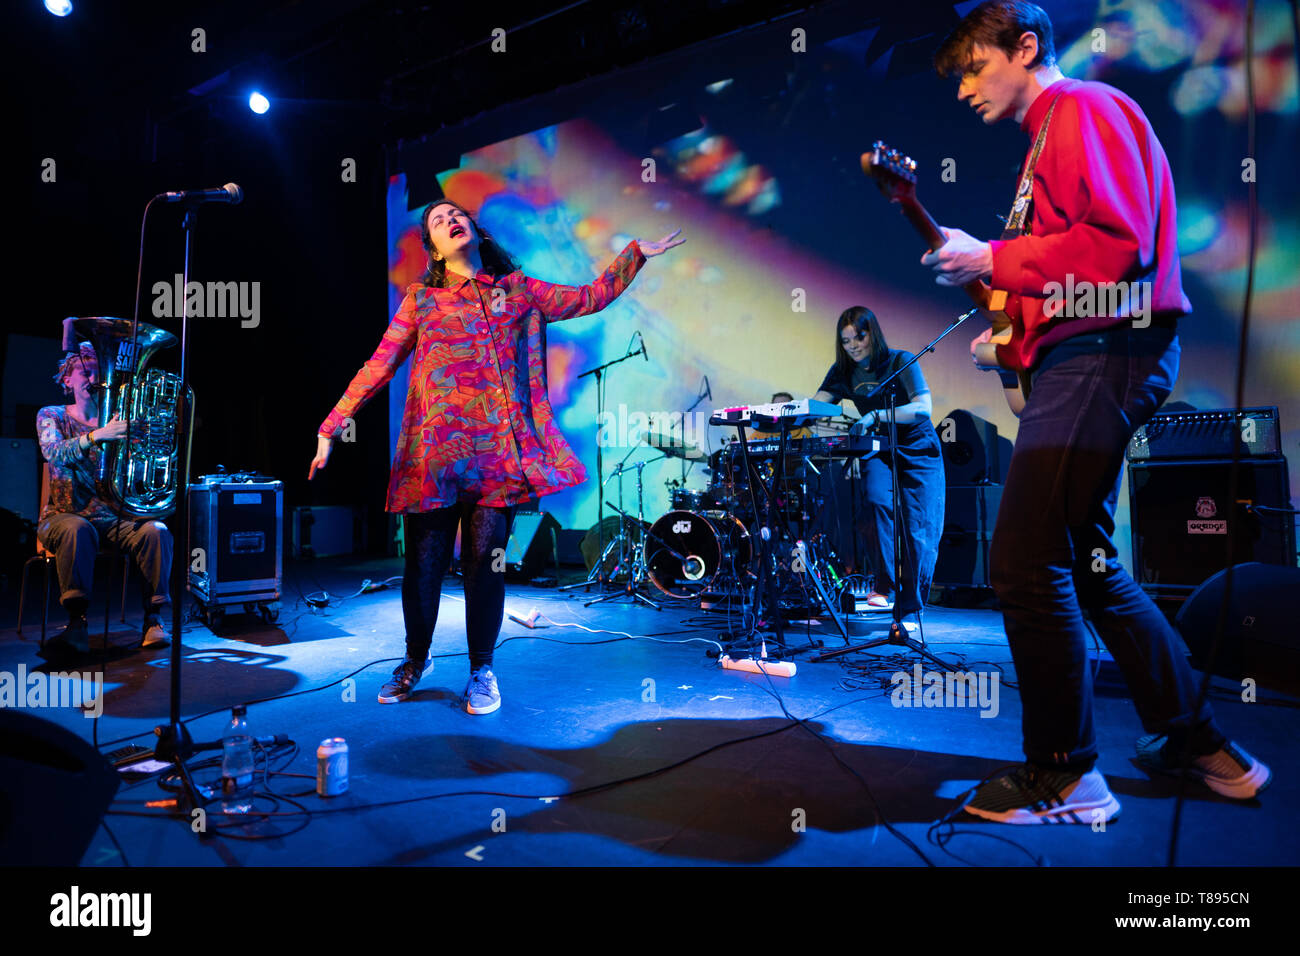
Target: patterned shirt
[
  {"x": 73, "y": 472},
  {"x": 478, "y": 422}
]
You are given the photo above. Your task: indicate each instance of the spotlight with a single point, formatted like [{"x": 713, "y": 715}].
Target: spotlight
[
  {"x": 60, "y": 8},
  {"x": 258, "y": 103}
]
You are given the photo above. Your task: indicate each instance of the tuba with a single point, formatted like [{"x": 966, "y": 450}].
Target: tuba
[{"x": 140, "y": 471}]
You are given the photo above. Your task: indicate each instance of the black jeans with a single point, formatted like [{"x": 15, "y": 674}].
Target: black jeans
[
  {"x": 430, "y": 540},
  {"x": 1052, "y": 556}
]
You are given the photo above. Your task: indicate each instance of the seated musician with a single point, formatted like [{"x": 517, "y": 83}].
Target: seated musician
[
  {"x": 862, "y": 359},
  {"x": 78, "y": 511}
]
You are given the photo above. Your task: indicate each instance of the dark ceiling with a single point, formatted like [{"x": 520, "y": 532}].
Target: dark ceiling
[{"x": 128, "y": 74}]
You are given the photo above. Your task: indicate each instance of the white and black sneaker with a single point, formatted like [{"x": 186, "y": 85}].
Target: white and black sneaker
[
  {"x": 1030, "y": 794},
  {"x": 406, "y": 675},
  {"x": 1229, "y": 772}
]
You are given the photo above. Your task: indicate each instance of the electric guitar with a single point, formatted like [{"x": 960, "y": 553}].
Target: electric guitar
[{"x": 895, "y": 175}]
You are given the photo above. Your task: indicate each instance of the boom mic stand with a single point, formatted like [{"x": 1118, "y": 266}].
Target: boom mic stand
[
  {"x": 174, "y": 741},
  {"x": 597, "y": 573},
  {"x": 897, "y": 632},
  {"x": 698, "y": 398}
]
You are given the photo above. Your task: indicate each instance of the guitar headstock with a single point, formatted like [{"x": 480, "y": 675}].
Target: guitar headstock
[{"x": 893, "y": 172}]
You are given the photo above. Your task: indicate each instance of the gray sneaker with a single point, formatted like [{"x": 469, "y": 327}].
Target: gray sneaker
[{"x": 481, "y": 693}]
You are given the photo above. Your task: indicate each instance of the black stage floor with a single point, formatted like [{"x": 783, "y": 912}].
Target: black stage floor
[{"x": 860, "y": 782}]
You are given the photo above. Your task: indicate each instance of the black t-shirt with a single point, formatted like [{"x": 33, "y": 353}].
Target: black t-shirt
[{"x": 864, "y": 379}]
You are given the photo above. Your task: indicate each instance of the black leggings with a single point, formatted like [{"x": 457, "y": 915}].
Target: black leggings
[{"x": 430, "y": 539}]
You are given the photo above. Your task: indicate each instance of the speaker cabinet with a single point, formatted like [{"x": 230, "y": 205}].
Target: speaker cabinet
[
  {"x": 54, "y": 789},
  {"x": 533, "y": 544},
  {"x": 1182, "y": 520},
  {"x": 1260, "y": 639},
  {"x": 970, "y": 512},
  {"x": 973, "y": 452}
]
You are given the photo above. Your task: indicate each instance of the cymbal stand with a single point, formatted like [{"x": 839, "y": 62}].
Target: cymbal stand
[
  {"x": 598, "y": 575},
  {"x": 636, "y": 574}
]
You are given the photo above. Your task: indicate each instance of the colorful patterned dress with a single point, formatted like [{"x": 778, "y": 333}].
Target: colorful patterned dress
[{"x": 478, "y": 423}]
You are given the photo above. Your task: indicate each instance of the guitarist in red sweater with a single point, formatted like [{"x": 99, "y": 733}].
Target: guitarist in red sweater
[{"x": 1090, "y": 265}]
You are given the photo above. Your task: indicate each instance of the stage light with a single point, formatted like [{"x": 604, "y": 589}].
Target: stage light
[
  {"x": 60, "y": 8},
  {"x": 258, "y": 103}
]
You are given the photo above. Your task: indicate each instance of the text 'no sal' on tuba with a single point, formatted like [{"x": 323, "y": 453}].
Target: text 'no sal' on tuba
[{"x": 140, "y": 471}]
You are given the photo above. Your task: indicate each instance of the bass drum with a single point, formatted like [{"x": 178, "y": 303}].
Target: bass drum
[{"x": 711, "y": 546}]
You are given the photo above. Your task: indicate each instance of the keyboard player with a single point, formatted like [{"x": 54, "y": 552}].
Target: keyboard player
[{"x": 862, "y": 359}]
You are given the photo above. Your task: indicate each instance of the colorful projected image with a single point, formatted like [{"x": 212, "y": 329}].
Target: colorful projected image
[{"x": 784, "y": 233}]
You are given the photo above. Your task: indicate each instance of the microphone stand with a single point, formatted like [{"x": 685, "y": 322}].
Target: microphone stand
[
  {"x": 897, "y": 632},
  {"x": 599, "y": 569},
  {"x": 174, "y": 741}
]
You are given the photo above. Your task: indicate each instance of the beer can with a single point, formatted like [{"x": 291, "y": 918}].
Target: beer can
[{"x": 332, "y": 767}]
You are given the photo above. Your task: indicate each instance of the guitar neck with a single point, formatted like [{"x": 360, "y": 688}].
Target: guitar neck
[
  {"x": 895, "y": 175},
  {"x": 925, "y": 224}
]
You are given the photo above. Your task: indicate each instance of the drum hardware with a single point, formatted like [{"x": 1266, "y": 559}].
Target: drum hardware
[
  {"x": 597, "y": 574},
  {"x": 687, "y": 499},
  {"x": 770, "y": 521},
  {"x": 631, "y": 561},
  {"x": 695, "y": 454}
]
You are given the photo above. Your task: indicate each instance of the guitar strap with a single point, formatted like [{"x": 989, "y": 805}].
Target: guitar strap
[{"x": 1020, "y": 221}]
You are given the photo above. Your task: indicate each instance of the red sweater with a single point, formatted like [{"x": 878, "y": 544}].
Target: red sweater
[{"x": 1104, "y": 212}]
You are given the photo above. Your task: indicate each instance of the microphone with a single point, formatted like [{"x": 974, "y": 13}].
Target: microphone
[
  {"x": 644, "y": 355},
  {"x": 194, "y": 197}
]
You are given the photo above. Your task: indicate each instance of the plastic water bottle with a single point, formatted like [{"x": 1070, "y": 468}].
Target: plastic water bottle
[{"x": 237, "y": 764}]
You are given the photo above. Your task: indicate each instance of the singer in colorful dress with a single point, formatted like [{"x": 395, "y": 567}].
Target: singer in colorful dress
[{"x": 478, "y": 434}]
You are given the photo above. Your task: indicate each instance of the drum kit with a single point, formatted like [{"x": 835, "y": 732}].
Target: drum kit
[
  {"x": 699, "y": 545},
  {"x": 706, "y": 546}
]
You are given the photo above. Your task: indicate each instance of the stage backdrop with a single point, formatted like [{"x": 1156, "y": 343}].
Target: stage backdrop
[{"x": 752, "y": 149}]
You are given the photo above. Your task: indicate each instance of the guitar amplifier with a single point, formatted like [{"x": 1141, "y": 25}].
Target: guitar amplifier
[
  {"x": 236, "y": 521},
  {"x": 1183, "y": 518},
  {"x": 1170, "y": 436}
]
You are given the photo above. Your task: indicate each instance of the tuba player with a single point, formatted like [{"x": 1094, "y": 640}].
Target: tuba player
[{"x": 78, "y": 512}]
